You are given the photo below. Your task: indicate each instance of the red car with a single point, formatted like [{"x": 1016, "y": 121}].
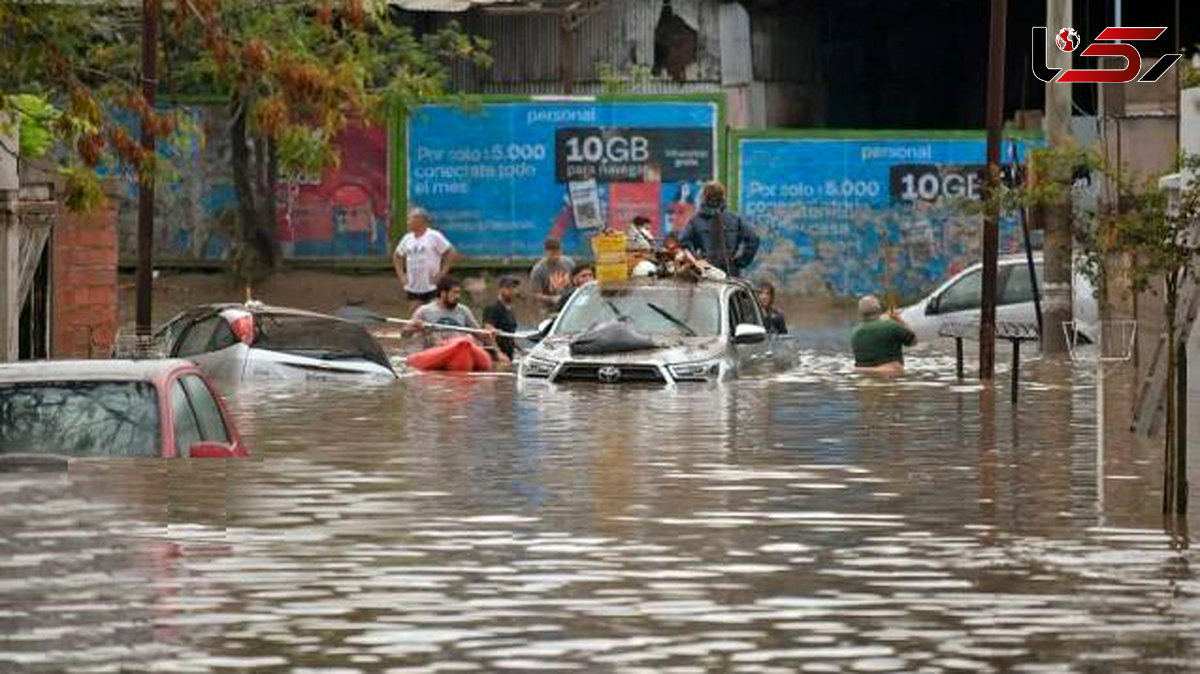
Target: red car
[{"x": 115, "y": 408}]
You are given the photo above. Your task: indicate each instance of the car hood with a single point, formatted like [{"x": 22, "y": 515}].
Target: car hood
[{"x": 670, "y": 350}]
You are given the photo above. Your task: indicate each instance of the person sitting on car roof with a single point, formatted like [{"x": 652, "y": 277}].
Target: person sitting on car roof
[{"x": 719, "y": 236}]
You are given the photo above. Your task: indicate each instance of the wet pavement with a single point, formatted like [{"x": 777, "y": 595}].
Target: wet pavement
[{"x": 813, "y": 521}]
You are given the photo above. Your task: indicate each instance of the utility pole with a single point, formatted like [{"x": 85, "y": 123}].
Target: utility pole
[
  {"x": 991, "y": 234},
  {"x": 145, "y": 278},
  {"x": 1056, "y": 217}
]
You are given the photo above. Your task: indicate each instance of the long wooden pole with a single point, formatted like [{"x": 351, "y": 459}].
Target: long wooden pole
[
  {"x": 991, "y": 235},
  {"x": 145, "y": 239},
  {"x": 459, "y": 328}
]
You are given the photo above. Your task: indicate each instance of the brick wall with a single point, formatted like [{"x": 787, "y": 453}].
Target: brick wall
[{"x": 84, "y": 284}]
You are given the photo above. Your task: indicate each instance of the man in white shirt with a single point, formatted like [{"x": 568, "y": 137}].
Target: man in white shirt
[{"x": 422, "y": 256}]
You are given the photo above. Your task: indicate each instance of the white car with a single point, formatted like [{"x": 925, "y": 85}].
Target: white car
[
  {"x": 958, "y": 300},
  {"x": 232, "y": 342},
  {"x": 699, "y": 332}
]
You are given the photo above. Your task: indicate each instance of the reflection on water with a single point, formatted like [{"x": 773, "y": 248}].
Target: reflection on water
[{"x": 814, "y": 521}]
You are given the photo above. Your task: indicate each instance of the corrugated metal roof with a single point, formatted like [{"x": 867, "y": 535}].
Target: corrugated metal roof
[{"x": 463, "y": 5}]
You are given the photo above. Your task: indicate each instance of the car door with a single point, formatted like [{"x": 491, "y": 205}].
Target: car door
[
  {"x": 1016, "y": 293},
  {"x": 743, "y": 309},
  {"x": 214, "y": 421},
  {"x": 198, "y": 417},
  {"x": 959, "y": 302},
  {"x": 212, "y": 346}
]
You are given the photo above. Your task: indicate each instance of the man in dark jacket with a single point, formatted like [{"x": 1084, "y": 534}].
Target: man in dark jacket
[{"x": 731, "y": 246}]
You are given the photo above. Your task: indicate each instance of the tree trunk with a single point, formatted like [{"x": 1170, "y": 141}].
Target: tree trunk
[
  {"x": 1057, "y": 300},
  {"x": 256, "y": 234},
  {"x": 1171, "y": 477}
]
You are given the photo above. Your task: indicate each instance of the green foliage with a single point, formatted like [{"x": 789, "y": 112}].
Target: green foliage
[
  {"x": 616, "y": 81},
  {"x": 300, "y": 70},
  {"x": 1189, "y": 75},
  {"x": 36, "y": 119}
]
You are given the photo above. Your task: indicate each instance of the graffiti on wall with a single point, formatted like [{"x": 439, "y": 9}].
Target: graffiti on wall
[
  {"x": 500, "y": 179},
  {"x": 345, "y": 212},
  {"x": 855, "y": 215},
  {"x": 342, "y": 213},
  {"x": 194, "y": 199}
]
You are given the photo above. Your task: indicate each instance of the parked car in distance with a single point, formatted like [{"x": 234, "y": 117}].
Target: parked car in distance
[
  {"x": 702, "y": 331},
  {"x": 958, "y": 300},
  {"x": 232, "y": 342},
  {"x": 113, "y": 408}
]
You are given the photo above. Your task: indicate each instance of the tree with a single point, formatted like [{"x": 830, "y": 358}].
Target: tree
[
  {"x": 1157, "y": 235},
  {"x": 294, "y": 74}
]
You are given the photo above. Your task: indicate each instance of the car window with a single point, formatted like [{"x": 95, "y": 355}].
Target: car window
[
  {"x": 652, "y": 310},
  {"x": 317, "y": 337},
  {"x": 223, "y": 338},
  {"x": 187, "y": 429},
  {"x": 1018, "y": 286},
  {"x": 198, "y": 337},
  {"x": 80, "y": 418},
  {"x": 208, "y": 413},
  {"x": 964, "y": 295},
  {"x": 747, "y": 308}
]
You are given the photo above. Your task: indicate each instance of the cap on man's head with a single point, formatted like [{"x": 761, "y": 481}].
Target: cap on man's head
[
  {"x": 869, "y": 306},
  {"x": 509, "y": 281}
]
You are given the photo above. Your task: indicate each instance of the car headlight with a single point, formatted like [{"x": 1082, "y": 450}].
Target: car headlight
[
  {"x": 538, "y": 367},
  {"x": 700, "y": 371}
]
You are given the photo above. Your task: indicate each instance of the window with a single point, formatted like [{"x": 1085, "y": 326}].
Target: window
[
  {"x": 747, "y": 309},
  {"x": 197, "y": 338},
  {"x": 1017, "y": 285},
  {"x": 316, "y": 337},
  {"x": 651, "y": 310},
  {"x": 208, "y": 412},
  {"x": 80, "y": 418},
  {"x": 964, "y": 295},
  {"x": 187, "y": 430},
  {"x": 224, "y": 337}
]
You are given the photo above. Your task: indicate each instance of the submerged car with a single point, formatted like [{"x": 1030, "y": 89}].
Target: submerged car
[
  {"x": 958, "y": 299},
  {"x": 55, "y": 410},
  {"x": 696, "y": 331},
  {"x": 255, "y": 341}
]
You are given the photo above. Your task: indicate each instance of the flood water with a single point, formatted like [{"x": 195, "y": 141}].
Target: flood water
[{"x": 812, "y": 521}]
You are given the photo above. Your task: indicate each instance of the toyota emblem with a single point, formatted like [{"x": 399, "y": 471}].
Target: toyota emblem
[{"x": 609, "y": 374}]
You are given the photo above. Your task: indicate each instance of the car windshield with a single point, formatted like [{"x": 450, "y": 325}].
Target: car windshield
[
  {"x": 316, "y": 337},
  {"x": 79, "y": 419},
  {"x": 654, "y": 310}
]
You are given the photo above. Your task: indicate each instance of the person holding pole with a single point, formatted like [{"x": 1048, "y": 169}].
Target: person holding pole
[
  {"x": 447, "y": 311},
  {"x": 878, "y": 341}
]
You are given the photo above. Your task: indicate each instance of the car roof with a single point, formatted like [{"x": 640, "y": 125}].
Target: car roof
[
  {"x": 255, "y": 308},
  {"x": 659, "y": 282},
  {"x": 90, "y": 370}
]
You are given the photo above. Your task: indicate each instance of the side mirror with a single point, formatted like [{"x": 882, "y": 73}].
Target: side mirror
[
  {"x": 931, "y": 307},
  {"x": 208, "y": 449},
  {"x": 544, "y": 326},
  {"x": 748, "y": 333}
]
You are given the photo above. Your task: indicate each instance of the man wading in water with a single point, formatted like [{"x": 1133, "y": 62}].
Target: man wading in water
[
  {"x": 722, "y": 238},
  {"x": 879, "y": 342}
]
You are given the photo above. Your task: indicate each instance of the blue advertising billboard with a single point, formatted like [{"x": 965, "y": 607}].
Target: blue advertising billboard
[
  {"x": 500, "y": 178},
  {"x": 866, "y": 213}
]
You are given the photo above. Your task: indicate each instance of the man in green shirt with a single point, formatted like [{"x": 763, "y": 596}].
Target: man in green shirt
[{"x": 879, "y": 341}]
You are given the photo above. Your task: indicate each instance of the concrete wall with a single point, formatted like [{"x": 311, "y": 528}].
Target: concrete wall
[{"x": 84, "y": 284}]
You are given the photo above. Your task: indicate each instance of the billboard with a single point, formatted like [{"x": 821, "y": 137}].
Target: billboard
[
  {"x": 845, "y": 213},
  {"x": 500, "y": 178},
  {"x": 341, "y": 213}
]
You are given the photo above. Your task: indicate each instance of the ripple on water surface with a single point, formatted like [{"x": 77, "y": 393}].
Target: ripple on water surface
[{"x": 814, "y": 520}]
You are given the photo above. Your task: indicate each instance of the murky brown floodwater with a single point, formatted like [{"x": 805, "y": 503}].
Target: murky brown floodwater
[{"x": 811, "y": 522}]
